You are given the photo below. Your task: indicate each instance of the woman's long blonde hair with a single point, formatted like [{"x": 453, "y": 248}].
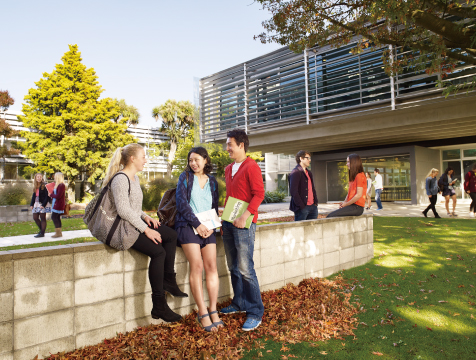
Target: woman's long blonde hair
[
  {"x": 37, "y": 184},
  {"x": 119, "y": 160},
  {"x": 432, "y": 171},
  {"x": 59, "y": 179}
]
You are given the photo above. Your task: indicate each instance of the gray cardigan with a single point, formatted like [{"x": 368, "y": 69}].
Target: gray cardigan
[{"x": 129, "y": 208}]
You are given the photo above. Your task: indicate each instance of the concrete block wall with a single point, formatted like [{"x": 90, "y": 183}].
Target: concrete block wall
[
  {"x": 65, "y": 297},
  {"x": 16, "y": 213}
]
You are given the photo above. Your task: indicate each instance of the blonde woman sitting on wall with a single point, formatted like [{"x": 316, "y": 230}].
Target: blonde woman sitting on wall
[{"x": 157, "y": 242}]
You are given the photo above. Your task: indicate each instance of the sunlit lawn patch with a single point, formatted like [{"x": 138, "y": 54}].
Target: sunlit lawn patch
[
  {"x": 417, "y": 296},
  {"x": 29, "y": 227}
]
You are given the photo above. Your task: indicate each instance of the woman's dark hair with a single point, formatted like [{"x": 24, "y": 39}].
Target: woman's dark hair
[
  {"x": 207, "y": 169},
  {"x": 240, "y": 137},
  {"x": 367, "y": 173},
  {"x": 474, "y": 166},
  {"x": 301, "y": 154},
  {"x": 355, "y": 166},
  {"x": 448, "y": 169}
]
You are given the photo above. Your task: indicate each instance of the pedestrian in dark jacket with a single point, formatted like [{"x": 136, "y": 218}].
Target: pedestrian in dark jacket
[
  {"x": 432, "y": 191},
  {"x": 448, "y": 181},
  {"x": 303, "y": 192},
  {"x": 57, "y": 206},
  {"x": 197, "y": 192},
  {"x": 39, "y": 204},
  {"x": 470, "y": 188}
]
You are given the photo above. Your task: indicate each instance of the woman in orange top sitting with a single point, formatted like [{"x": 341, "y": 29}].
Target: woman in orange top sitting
[{"x": 354, "y": 202}]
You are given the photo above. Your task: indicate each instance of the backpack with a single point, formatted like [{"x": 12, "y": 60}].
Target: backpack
[
  {"x": 441, "y": 186},
  {"x": 105, "y": 224},
  {"x": 167, "y": 209}
]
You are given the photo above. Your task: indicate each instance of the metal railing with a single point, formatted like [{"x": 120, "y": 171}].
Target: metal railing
[{"x": 284, "y": 87}]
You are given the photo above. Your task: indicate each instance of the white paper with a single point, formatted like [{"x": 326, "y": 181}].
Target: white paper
[{"x": 208, "y": 218}]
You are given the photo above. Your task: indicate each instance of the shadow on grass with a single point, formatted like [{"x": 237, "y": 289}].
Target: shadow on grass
[{"x": 417, "y": 296}]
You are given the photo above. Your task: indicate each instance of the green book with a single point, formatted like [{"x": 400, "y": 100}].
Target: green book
[{"x": 234, "y": 209}]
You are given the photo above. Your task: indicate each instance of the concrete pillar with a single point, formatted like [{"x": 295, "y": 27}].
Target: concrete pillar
[{"x": 424, "y": 160}]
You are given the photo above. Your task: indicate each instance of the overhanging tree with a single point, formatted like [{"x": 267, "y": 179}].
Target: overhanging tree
[
  {"x": 73, "y": 131},
  {"x": 127, "y": 113},
  {"x": 441, "y": 32},
  {"x": 5, "y": 129},
  {"x": 177, "y": 119}
]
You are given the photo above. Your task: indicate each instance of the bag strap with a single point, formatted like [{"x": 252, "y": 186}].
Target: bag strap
[{"x": 107, "y": 187}]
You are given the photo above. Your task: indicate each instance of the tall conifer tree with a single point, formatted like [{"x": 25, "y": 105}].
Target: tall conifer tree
[{"x": 73, "y": 130}]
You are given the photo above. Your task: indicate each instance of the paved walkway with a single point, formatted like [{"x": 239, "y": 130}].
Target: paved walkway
[{"x": 268, "y": 211}]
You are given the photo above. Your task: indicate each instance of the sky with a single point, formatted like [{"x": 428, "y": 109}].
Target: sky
[{"x": 145, "y": 52}]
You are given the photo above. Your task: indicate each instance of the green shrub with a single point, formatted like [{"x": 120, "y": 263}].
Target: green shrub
[
  {"x": 154, "y": 190},
  {"x": 16, "y": 194},
  {"x": 274, "y": 196},
  {"x": 221, "y": 191}
]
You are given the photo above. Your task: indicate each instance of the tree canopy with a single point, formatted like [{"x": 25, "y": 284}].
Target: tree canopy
[
  {"x": 127, "y": 113},
  {"x": 73, "y": 130},
  {"x": 5, "y": 129},
  {"x": 177, "y": 119},
  {"x": 442, "y": 31}
]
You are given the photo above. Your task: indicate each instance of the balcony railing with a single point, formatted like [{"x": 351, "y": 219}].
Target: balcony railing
[{"x": 283, "y": 87}]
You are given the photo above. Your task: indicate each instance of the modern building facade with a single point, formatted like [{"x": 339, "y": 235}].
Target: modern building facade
[
  {"x": 13, "y": 168},
  {"x": 333, "y": 103}
]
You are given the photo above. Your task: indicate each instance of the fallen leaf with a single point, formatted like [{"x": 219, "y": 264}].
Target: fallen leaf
[
  {"x": 428, "y": 328},
  {"x": 377, "y": 353}
]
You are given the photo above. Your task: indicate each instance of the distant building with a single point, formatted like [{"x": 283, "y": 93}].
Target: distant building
[
  {"x": 333, "y": 103},
  {"x": 13, "y": 169}
]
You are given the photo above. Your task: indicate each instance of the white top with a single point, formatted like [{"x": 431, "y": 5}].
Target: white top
[
  {"x": 449, "y": 182},
  {"x": 235, "y": 168},
  {"x": 378, "y": 182}
]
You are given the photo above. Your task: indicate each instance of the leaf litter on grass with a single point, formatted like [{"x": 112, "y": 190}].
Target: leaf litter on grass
[{"x": 314, "y": 310}]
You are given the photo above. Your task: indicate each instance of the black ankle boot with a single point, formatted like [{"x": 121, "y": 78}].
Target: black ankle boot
[
  {"x": 40, "y": 234},
  {"x": 162, "y": 311},
  {"x": 170, "y": 285}
]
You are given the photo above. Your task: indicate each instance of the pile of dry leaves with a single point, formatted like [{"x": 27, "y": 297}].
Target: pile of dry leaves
[{"x": 315, "y": 310}]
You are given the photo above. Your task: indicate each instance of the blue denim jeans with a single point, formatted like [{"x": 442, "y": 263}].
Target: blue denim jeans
[
  {"x": 378, "y": 192},
  {"x": 308, "y": 213},
  {"x": 239, "y": 248}
]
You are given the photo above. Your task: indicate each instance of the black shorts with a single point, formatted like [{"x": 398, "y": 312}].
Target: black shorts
[
  {"x": 185, "y": 235},
  {"x": 449, "y": 192}
]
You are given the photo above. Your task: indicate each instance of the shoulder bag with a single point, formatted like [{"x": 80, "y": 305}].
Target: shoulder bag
[{"x": 105, "y": 224}]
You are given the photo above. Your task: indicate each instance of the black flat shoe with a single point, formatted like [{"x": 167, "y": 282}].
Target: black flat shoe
[
  {"x": 424, "y": 214},
  {"x": 39, "y": 235},
  {"x": 437, "y": 217}
]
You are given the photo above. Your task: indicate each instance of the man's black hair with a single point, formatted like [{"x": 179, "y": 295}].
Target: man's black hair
[{"x": 240, "y": 137}]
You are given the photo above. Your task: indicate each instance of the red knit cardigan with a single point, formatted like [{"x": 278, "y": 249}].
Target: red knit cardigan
[{"x": 60, "y": 197}]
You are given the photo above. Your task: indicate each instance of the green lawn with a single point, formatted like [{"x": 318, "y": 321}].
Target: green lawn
[
  {"x": 29, "y": 227},
  {"x": 50, "y": 243},
  {"x": 417, "y": 296}
]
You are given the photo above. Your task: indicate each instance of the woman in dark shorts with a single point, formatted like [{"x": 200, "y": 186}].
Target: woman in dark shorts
[
  {"x": 197, "y": 191},
  {"x": 354, "y": 202},
  {"x": 448, "y": 181}
]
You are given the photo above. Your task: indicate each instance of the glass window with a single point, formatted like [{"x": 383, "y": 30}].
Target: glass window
[
  {"x": 451, "y": 154},
  {"x": 22, "y": 174},
  {"x": 469, "y": 153},
  {"x": 10, "y": 172}
]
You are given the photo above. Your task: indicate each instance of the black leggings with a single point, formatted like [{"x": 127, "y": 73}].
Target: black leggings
[
  {"x": 40, "y": 220},
  {"x": 472, "y": 207},
  {"x": 56, "y": 218},
  {"x": 432, "y": 207},
  {"x": 351, "y": 210},
  {"x": 162, "y": 256}
]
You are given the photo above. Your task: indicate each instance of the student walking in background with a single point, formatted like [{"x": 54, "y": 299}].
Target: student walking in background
[
  {"x": 378, "y": 184},
  {"x": 470, "y": 188},
  {"x": 157, "y": 242},
  {"x": 244, "y": 182},
  {"x": 448, "y": 189},
  {"x": 303, "y": 193},
  {"x": 432, "y": 191},
  {"x": 197, "y": 191},
  {"x": 354, "y": 202},
  {"x": 57, "y": 206},
  {"x": 39, "y": 204},
  {"x": 369, "y": 191}
]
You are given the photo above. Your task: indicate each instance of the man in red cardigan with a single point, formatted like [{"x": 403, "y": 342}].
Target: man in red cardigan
[{"x": 244, "y": 182}]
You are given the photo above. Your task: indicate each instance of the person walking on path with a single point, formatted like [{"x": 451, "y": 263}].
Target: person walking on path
[
  {"x": 378, "y": 184},
  {"x": 197, "y": 191},
  {"x": 39, "y": 204},
  {"x": 354, "y": 202},
  {"x": 470, "y": 188},
  {"x": 244, "y": 182},
  {"x": 448, "y": 191},
  {"x": 303, "y": 193},
  {"x": 369, "y": 191},
  {"x": 432, "y": 191},
  {"x": 157, "y": 242},
  {"x": 57, "y": 206}
]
